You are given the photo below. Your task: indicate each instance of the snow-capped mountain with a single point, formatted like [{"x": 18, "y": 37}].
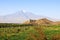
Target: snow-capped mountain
[{"x": 19, "y": 17}]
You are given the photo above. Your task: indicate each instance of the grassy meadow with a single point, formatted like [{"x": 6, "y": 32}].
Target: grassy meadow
[{"x": 26, "y": 32}]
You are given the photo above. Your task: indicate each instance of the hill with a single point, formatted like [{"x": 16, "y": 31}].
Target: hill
[{"x": 42, "y": 21}]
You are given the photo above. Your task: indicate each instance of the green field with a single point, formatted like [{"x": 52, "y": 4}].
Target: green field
[
  {"x": 28, "y": 32},
  {"x": 49, "y": 31}
]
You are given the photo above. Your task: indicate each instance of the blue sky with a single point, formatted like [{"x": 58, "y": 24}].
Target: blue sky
[{"x": 49, "y": 8}]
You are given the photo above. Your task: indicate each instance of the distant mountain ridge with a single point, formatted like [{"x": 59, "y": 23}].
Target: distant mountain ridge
[
  {"x": 22, "y": 16},
  {"x": 19, "y": 17}
]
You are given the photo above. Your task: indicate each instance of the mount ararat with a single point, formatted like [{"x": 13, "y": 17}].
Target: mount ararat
[{"x": 19, "y": 17}]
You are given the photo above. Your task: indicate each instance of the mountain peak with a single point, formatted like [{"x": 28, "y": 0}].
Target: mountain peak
[{"x": 24, "y": 11}]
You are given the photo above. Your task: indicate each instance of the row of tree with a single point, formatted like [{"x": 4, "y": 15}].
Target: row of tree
[{"x": 13, "y": 25}]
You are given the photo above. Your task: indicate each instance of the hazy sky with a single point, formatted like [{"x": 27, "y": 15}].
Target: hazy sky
[{"x": 49, "y": 8}]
